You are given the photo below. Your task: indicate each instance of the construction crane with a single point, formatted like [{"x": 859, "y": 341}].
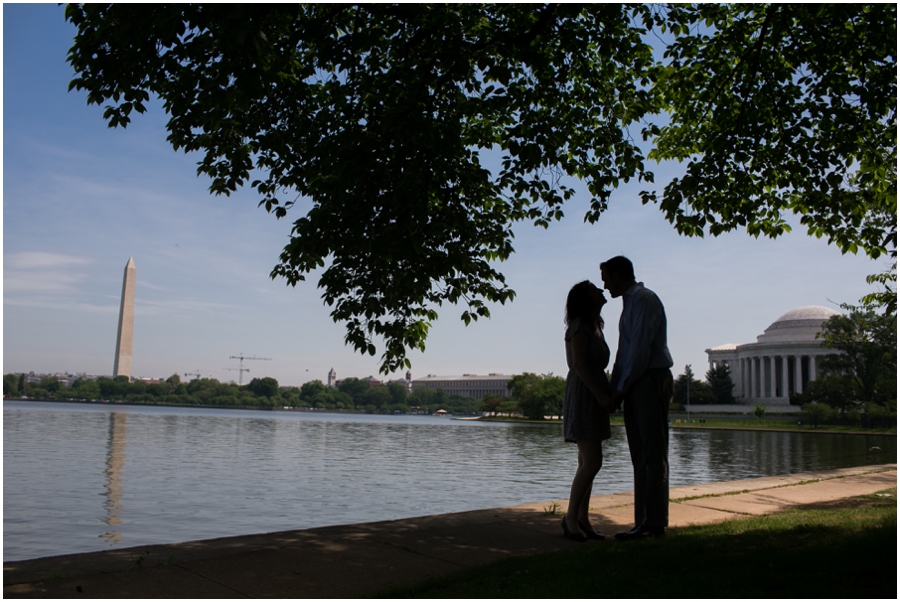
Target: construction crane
[
  {"x": 195, "y": 374},
  {"x": 241, "y": 370}
]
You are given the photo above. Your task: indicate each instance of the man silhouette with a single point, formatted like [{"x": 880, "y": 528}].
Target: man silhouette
[{"x": 642, "y": 379}]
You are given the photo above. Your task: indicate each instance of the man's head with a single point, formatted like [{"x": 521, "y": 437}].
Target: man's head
[{"x": 618, "y": 275}]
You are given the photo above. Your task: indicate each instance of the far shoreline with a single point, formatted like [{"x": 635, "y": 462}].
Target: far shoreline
[{"x": 506, "y": 419}]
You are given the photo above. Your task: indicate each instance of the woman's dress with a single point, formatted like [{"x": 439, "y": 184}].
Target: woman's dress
[{"x": 583, "y": 417}]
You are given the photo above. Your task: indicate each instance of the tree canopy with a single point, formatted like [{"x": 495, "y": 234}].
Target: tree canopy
[{"x": 374, "y": 120}]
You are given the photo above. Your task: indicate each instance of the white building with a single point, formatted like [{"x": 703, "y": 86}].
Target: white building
[
  {"x": 467, "y": 385},
  {"x": 781, "y": 361}
]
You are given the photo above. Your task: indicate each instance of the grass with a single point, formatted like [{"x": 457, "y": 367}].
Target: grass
[{"x": 842, "y": 550}]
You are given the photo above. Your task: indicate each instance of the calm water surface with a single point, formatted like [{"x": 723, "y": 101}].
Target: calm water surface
[{"x": 82, "y": 477}]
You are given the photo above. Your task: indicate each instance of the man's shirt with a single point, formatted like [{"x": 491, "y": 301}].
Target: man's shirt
[{"x": 642, "y": 337}]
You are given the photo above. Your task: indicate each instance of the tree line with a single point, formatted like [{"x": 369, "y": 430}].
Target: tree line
[
  {"x": 532, "y": 395},
  {"x": 264, "y": 393}
]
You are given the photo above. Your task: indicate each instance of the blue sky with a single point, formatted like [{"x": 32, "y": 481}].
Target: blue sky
[{"x": 79, "y": 199}]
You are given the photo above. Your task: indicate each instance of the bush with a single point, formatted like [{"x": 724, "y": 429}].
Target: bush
[
  {"x": 879, "y": 416},
  {"x": 818, "y": 413},
  {"x": 835, "y": 390}
]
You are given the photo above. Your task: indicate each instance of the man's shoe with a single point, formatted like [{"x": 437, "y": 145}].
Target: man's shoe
[
  {"x": 641, "y": 533},
  {"x": 623, "y": 535}
]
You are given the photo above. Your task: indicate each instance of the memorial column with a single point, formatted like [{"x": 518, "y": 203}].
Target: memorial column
[
  {"x": 798, "y": 367},
  {"x": 785, "y": 381},
  {"x": 753, "y": 388},
  {"x": 773, "y": 380}
]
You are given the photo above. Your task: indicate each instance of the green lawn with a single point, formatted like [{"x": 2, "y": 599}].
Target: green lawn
[{"x": 846, "y": 550}]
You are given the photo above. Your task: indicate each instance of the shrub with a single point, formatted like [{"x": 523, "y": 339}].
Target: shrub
[{"x": 817, "y": 413}]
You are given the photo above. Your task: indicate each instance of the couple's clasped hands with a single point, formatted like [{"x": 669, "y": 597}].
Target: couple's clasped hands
[{"x": 609, "y": 403}]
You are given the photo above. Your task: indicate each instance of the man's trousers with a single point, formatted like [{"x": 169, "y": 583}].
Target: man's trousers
[{"x": 647, "y": 428}]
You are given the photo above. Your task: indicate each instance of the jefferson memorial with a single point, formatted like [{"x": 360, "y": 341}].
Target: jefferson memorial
[{"x": 781, "y": 361}]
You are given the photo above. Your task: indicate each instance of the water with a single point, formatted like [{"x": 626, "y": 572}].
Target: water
[{"x": 82, "y": 477}]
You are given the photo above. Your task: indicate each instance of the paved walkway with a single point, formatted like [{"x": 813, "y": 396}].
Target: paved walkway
[{"x": 354, "y": 561}]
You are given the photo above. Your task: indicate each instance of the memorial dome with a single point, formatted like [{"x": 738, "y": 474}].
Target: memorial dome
[{"x": 801, "y": 324}]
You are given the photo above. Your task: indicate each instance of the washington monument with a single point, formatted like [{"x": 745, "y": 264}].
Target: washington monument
[{"x": 122, "y": 366}]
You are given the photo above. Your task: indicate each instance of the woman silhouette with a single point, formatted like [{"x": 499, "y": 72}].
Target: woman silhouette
[{"x": 587, "y": 401}]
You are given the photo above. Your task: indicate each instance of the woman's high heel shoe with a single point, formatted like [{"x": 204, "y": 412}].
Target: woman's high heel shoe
[
  {"x": 590, "y": 533},
  {"x": 579, "y": 537}
]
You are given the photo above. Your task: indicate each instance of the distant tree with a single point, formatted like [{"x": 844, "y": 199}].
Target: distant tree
[
  {"x": 84, "y": 389},
  {"x": 459, "y": 404},
  {"x": 538, "y": 396},
  {"x": 834, "y": 390},
  {"x": 310, "y": 389},
  {"x": 291, "y": 396},
  {"x": 51, "y": 384},
  {"x": 399, "y": 393},
  {"x": 719, "y": 384},
  {"x": 867, "y": 346},
  {"x": 172, "y": 382},
  {"x": 490, "y": 403},
  {"x": 508, "y": 407},
  {"x": 428, "y": 399},
  {"x": 354, "y": 387},
  {"x": 264, "y": 387},
  {"x": 10, "y": 385},
  {"x": 377, "y": 396},
  {"x": 519, "y": 384},
  {"x": 116, "y": 388},
  {"x": 156, "y": 390},
  {"x": 322, "y": 398},
  {"x": 699, "y": 392}
]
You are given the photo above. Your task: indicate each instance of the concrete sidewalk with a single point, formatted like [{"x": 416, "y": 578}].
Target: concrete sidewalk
[{"x": 354, "y": 561}]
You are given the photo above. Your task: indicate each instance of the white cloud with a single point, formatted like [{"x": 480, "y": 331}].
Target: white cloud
[
  {"x": 38, "y": 260},
  {"x": 38, "y": 272},
  {"x": 44, "y": 303}
]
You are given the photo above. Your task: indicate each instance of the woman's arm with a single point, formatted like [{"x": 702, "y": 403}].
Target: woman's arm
[{"x": 580, "y": 342}]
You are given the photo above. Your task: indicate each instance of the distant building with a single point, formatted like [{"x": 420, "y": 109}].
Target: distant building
[
  {"x": 334, "y": 382},
  {"x": 467, "y": 385},
  {"x": 782, "y": 361},
  {"x": 407, "y": 382},
  {"x": 65, "y": 378}
]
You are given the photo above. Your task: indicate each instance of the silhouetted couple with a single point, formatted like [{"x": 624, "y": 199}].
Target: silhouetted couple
[{"x": 640, "y": 379}]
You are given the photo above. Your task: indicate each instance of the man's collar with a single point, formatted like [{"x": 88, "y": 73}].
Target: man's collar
[{"x": 633, "y": 289}]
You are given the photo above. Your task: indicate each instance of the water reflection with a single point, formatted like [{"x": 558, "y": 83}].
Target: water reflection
[
  {"x": 115, "y": 463},
  {"x": 198, "y": 474}
]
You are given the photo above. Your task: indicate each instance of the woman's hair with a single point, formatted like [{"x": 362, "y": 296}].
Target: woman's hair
[{"x": 579, "y": 305}]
